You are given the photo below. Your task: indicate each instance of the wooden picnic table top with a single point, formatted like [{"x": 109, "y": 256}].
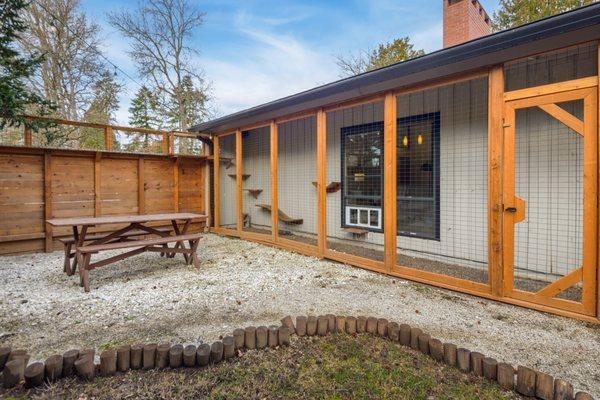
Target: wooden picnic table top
[{"x": 122, "y": 219}]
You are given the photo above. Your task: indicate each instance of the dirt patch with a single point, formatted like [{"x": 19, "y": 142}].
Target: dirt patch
[
  {"x": 153, "y": 299},
  {"x": 335, "y": 367}
]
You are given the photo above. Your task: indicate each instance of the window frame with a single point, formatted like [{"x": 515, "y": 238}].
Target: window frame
[
  {"x": 355, "y": 130},
  {"x": 435, "y": 144},
  {"x": 379, "y": 126}
]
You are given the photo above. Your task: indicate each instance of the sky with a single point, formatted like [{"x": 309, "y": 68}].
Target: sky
[{"x": 253, "y": 52}]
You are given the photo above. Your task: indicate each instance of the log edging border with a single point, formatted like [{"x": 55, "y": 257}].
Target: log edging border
[{"x": 523, "y": 380}]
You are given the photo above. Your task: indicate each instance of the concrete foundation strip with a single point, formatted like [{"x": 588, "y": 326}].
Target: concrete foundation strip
[{"x": 523, "y": 380}]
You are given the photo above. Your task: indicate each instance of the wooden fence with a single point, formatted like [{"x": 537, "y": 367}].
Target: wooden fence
[{"x": 38, "y": 183}]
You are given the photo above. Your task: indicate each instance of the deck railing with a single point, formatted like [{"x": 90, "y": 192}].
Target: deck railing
[{"x": 78, "y": 135}]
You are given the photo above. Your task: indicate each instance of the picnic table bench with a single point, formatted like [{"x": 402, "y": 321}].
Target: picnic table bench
[
  {"x": 125, "y": 238},
  {"x": 69, "y": 242}
]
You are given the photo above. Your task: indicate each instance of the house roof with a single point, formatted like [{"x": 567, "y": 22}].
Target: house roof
[{"x": 562, "y": 30}]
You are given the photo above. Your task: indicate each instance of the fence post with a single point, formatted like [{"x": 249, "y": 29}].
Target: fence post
[
  {"x": 108, "y": 138},
  {"x": 27, "y": 133},
  {"x": 165, "y": 143}
]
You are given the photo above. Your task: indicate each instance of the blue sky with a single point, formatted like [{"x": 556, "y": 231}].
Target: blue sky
[{"x": 256, "y": 51}]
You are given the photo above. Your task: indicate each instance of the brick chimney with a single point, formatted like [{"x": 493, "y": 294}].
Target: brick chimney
[{"x": 464, "y": 20}]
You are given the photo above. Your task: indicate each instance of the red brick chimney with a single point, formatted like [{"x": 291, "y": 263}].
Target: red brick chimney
[{"x": 464, "y": 20}]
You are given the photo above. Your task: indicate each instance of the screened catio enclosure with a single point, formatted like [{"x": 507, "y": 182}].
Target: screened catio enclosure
[{"x": 484, "y": 182}]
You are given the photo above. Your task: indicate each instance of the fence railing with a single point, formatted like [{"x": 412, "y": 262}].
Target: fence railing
[{"x": 79, "y": 135}]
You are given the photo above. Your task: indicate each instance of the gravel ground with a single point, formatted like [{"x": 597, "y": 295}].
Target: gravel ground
[{"x": 148, "y": 298}]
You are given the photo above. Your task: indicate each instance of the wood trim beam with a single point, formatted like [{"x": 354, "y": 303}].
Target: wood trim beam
[
  {"x": 216, "y": 183},
  {"x": 590, "y": 203},
  {"x": 389, "y": 192},
  {"x": 321, "y": 182},
  {"x": 238, "y": 179},
  {"x": 575, "y": 84},
  {"x": 562, "y": 284},
  {"x": 564, "y": 116},
  {"x": 495, "y": 166},
  {"x": 274, "y": 147}
]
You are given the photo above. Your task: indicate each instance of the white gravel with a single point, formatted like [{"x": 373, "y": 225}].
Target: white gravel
[{"x": 148, "y": 298}]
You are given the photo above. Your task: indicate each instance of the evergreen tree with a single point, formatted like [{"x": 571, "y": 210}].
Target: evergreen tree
[
  {"x": 143, "y": 113},
  {"x": 101, "y": 111},
  {"x": 190, "y": 107},
  {"x": 16, "y": 98},
  {"x": 512, "y": 13},
  {"x": 143, "y": 110}
]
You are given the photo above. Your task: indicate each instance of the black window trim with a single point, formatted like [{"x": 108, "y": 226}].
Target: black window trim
[
  {"x": 435, "y": 143},
  {"x": 355, "y": 130},
  {"x": 378, "y": 126}
]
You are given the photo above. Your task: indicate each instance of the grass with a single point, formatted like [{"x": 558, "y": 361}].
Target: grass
[{"x": 334, "y": 367}]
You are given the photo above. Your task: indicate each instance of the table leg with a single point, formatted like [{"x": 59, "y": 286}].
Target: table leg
[
  {"x": 79, "y": 237},
  {"x": 183, "y": 231}
]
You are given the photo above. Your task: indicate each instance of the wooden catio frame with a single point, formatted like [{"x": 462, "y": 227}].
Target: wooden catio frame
[{"x": 504, "y": 208}]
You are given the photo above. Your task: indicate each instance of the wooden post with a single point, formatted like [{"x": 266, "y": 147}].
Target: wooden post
[
  {"x": 274, "y": 182},
  {"x": 216, "y": 168},
  {"x": 597, "y": 110},
  {"x": 48, "y": 199},
  {"x": 165, "y": 143},
  {"x": 141, "y": 187},
  {"x": 172, "y": 143},
  {"x": 389, "y": 179},
  {"x": 238, "y": 179},
  {"x": 108, "y": 138},
  {"x": 176, "y": 184},
  {"x": 97, "y": 185},
  {"x": 495, "y": 166},
  {"x": 321, "y": 178},
  {"x": 27, "y": 133}
]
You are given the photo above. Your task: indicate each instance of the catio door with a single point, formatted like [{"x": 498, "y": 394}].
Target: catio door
[{"x": 550, "y": 196}]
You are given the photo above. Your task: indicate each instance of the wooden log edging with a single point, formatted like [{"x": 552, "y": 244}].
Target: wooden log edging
[{"x": 523, "y": 380}]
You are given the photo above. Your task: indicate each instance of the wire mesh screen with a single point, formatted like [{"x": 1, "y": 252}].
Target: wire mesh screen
[
  {"x": 227, "y": 183},
  {"x": 441, "y": 162},
  {"x": 256, "y": 180},
  {"x": 355, "y": 178},
  {"x": 12, "y": 136},
  {"x": 297, "y": 176},
  {"x": 70, "y": 137},
  {"x": 187, "y": 146},
  {"x": 138, "y": 142},
  {"x": 549, "y": 177},
  {"x": 561, "y": 65}
]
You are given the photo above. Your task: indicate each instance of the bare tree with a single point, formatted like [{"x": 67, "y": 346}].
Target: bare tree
[
  {"x": 72, "y": 64},
  {"x": 385, "y": 54},
  {"x": 160, "y": 31}
]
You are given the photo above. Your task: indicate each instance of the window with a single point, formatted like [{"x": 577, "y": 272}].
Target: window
[
  {"x": 418, "y": 177},
  {"x": 362, "y": 176}
]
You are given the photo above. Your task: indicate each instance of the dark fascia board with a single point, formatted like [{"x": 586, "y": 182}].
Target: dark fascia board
[{"x": 566, "y": 29}]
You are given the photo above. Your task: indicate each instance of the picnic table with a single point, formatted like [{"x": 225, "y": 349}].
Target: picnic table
[{"x": 126, "y": 238}]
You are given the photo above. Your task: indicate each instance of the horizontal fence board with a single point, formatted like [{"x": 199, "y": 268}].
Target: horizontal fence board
[{"x": 73, "y": 191}]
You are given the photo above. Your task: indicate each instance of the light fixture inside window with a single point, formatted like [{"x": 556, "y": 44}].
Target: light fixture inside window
[
  {"x": 420, "y": 139},
  {"x": 405, "y": 141}
]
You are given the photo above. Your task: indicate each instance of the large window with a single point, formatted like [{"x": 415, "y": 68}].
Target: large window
[
  {"x": 417, "y": 163},
  {"x": 362, "y": 176},
  {"x": 418, "y": 177}
]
